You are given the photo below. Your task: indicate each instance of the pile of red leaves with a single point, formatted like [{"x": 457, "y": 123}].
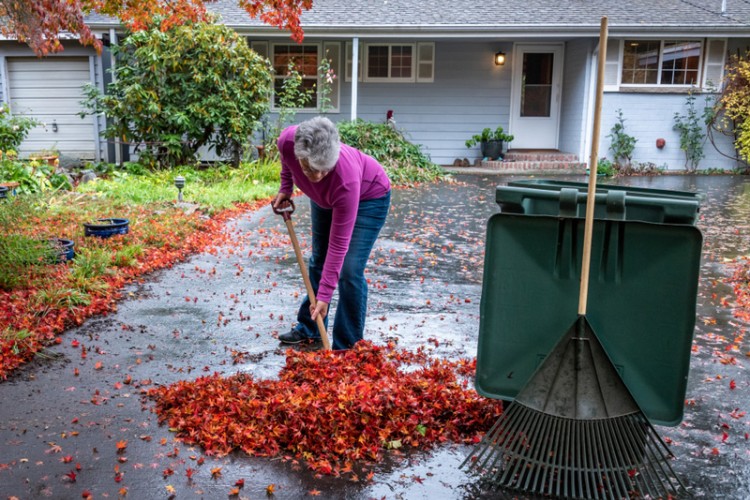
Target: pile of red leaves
[{"x": 332, "y": 409}]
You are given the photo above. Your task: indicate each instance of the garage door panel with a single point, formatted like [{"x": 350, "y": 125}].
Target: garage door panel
[
  {"x": 58, "y": 64},
  {"x": 54, "y": 108},
  {"x": 51, "y": 93},
  {"x": 50, "y": 90},
  {"x": 65, "y": 120},
  {"x": 44, "y": 145},
  {"x": 36, "y": 78},
  {"x": 64, "y": 133}
]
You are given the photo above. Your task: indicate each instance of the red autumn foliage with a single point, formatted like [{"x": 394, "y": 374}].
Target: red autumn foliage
[
  {"x": 39, "y": 23},
  {"x": 331, "y": 409},
  {"x": 166, "y": 240}
]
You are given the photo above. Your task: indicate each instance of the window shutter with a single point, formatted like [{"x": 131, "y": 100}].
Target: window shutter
[
  {"x": 612, "y": 65},
  {"x": 425, "y": 62},
  {"x": 332, "y": 52},
  {"x": 713, "y": 71},
  {"x": 348, "y": 72},
  {"x": 261, "y": 48}
]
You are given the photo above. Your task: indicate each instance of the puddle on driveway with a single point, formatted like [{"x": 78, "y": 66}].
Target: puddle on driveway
[{"x": 425, "y": 289}]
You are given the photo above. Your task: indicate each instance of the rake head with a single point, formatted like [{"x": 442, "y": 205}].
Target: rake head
[{"x": 575, "y": 431}]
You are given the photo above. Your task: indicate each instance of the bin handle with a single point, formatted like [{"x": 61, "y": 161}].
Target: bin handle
[{"x": 616, "y": 205}]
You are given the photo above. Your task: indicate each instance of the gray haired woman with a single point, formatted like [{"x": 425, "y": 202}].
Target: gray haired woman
[{"x": 350, "y": 196}]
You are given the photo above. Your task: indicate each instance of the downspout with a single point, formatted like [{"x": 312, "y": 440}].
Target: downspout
[
  {"x": 355, "y": 72},
  {"x": 588, "y": 111},
  {"x": 112, "y": 62},
  {"x": 94, "y": 65}
]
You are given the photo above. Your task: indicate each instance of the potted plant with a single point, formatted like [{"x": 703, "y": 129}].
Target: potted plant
[
  {"x": 50, "y": 156},
  {"x": 490, "y": 142}
]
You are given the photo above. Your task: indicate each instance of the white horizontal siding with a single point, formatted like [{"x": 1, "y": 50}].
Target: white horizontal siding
[
  {"x": 468, "y": 94},
  {"x": 50, "y": 91},
  {"x": 651, "y": 116}
]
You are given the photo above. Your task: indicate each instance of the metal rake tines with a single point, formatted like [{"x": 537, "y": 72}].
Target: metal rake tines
[{"x": 611, "y": 458}]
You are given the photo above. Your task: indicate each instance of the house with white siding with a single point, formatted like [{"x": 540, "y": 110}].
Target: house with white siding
[{"x": 434, "y": 64}]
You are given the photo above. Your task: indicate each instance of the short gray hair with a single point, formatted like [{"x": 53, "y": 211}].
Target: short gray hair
[{"x": 317, "y": 141}]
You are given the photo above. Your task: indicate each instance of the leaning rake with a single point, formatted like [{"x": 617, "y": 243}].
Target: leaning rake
[{"x": 575, "y": 430}]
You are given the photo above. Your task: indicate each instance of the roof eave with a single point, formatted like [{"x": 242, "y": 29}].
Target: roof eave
[
  {"x": 496, "y": 32},
  {"x": 518, "y": 31}
]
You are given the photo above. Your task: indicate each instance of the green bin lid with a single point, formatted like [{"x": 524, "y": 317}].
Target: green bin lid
[
  {"x": 641, "y": 303},
  {"x": 555, "y": 184},
  {"x": 568, "y": 199}
]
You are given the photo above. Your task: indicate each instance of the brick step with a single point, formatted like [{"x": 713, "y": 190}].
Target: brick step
[
  {"x": 531, "y": 156},
  {"x": 572, "y": 167}
]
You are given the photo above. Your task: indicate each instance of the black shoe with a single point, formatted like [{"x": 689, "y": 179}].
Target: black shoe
[{"x": 293, "y": 337}]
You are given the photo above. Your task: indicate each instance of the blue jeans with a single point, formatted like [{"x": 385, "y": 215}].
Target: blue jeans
[{"x": 351, "y": 310}]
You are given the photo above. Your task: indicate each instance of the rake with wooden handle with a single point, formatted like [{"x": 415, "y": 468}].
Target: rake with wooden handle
[
  {"x": 575, "y": 430},
  {"x": 286, "y": 214}
]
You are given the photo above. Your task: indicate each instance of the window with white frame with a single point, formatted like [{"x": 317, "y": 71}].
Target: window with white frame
[
  {"x": 302, "y": 58},
  {"x": 662, "y": 62},
  {"x": 393, "y": 62},
  {"x": 389, "y": 62}
]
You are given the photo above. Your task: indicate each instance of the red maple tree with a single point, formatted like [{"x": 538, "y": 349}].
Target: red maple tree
[{"x": 39, "y": 23}]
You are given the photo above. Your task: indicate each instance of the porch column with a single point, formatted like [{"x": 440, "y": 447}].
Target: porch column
[{"x": 355, "y": 72}]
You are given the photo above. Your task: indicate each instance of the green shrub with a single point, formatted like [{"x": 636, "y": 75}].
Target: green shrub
[
  {"x": 622, "y": 145},
  {"x": 605, "y": 167},
  {"x": 731, "y": 114},
  {"x": 405, "y": 162},
  {"x": 692, "y": 129},
  {"x": 33, "y": 176},
  {"x": 193, "y": 85},
  {"x": 13, "y": 129}
]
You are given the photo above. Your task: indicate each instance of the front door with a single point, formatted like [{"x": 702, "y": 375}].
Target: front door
[{"x": 535, "y": 96}]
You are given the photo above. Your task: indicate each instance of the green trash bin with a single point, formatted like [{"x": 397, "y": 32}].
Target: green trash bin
[
  {"x": 568, "y": 199},
  {"x": 642, "y": 293}
]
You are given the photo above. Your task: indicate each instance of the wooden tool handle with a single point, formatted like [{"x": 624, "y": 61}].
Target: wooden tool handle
[
  {"x": 308, "y": 284},
  {"x": 590, "y": 201}
]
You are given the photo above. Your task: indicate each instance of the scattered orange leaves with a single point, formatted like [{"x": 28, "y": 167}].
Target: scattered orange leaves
[{"x": 167, "y": 237}]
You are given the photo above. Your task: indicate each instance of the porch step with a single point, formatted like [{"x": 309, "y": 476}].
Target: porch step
[
  {"x": 525, "y": 155},
  {"x": 527, "y": 161}
]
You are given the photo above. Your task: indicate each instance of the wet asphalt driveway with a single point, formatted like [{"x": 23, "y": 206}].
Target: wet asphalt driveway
[{"x": 63, "y": 414}]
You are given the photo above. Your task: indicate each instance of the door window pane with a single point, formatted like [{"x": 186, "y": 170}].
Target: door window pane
[{"x": 536, "y": 84}]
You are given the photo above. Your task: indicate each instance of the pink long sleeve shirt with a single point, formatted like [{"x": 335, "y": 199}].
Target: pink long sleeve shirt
[{"x": 355, "y": 177}]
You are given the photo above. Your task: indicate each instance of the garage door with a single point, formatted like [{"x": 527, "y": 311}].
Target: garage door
[{"x": 49, "y": 90}]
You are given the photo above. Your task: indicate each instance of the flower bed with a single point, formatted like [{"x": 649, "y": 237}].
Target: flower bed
[{"x": 33, "y": 316}]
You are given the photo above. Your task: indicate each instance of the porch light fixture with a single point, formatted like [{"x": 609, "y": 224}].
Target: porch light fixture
[
  {"x": 499, "y": 58},
  {"x": 179, "y": 183}
]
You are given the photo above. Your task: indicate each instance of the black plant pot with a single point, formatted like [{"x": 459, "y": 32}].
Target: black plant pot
[
  {"x": 64, "y": 249},
  {"x": 3, "y": 192},
  {"x": 492, "y": 150},
  {"x": 105, "y": 228}
]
